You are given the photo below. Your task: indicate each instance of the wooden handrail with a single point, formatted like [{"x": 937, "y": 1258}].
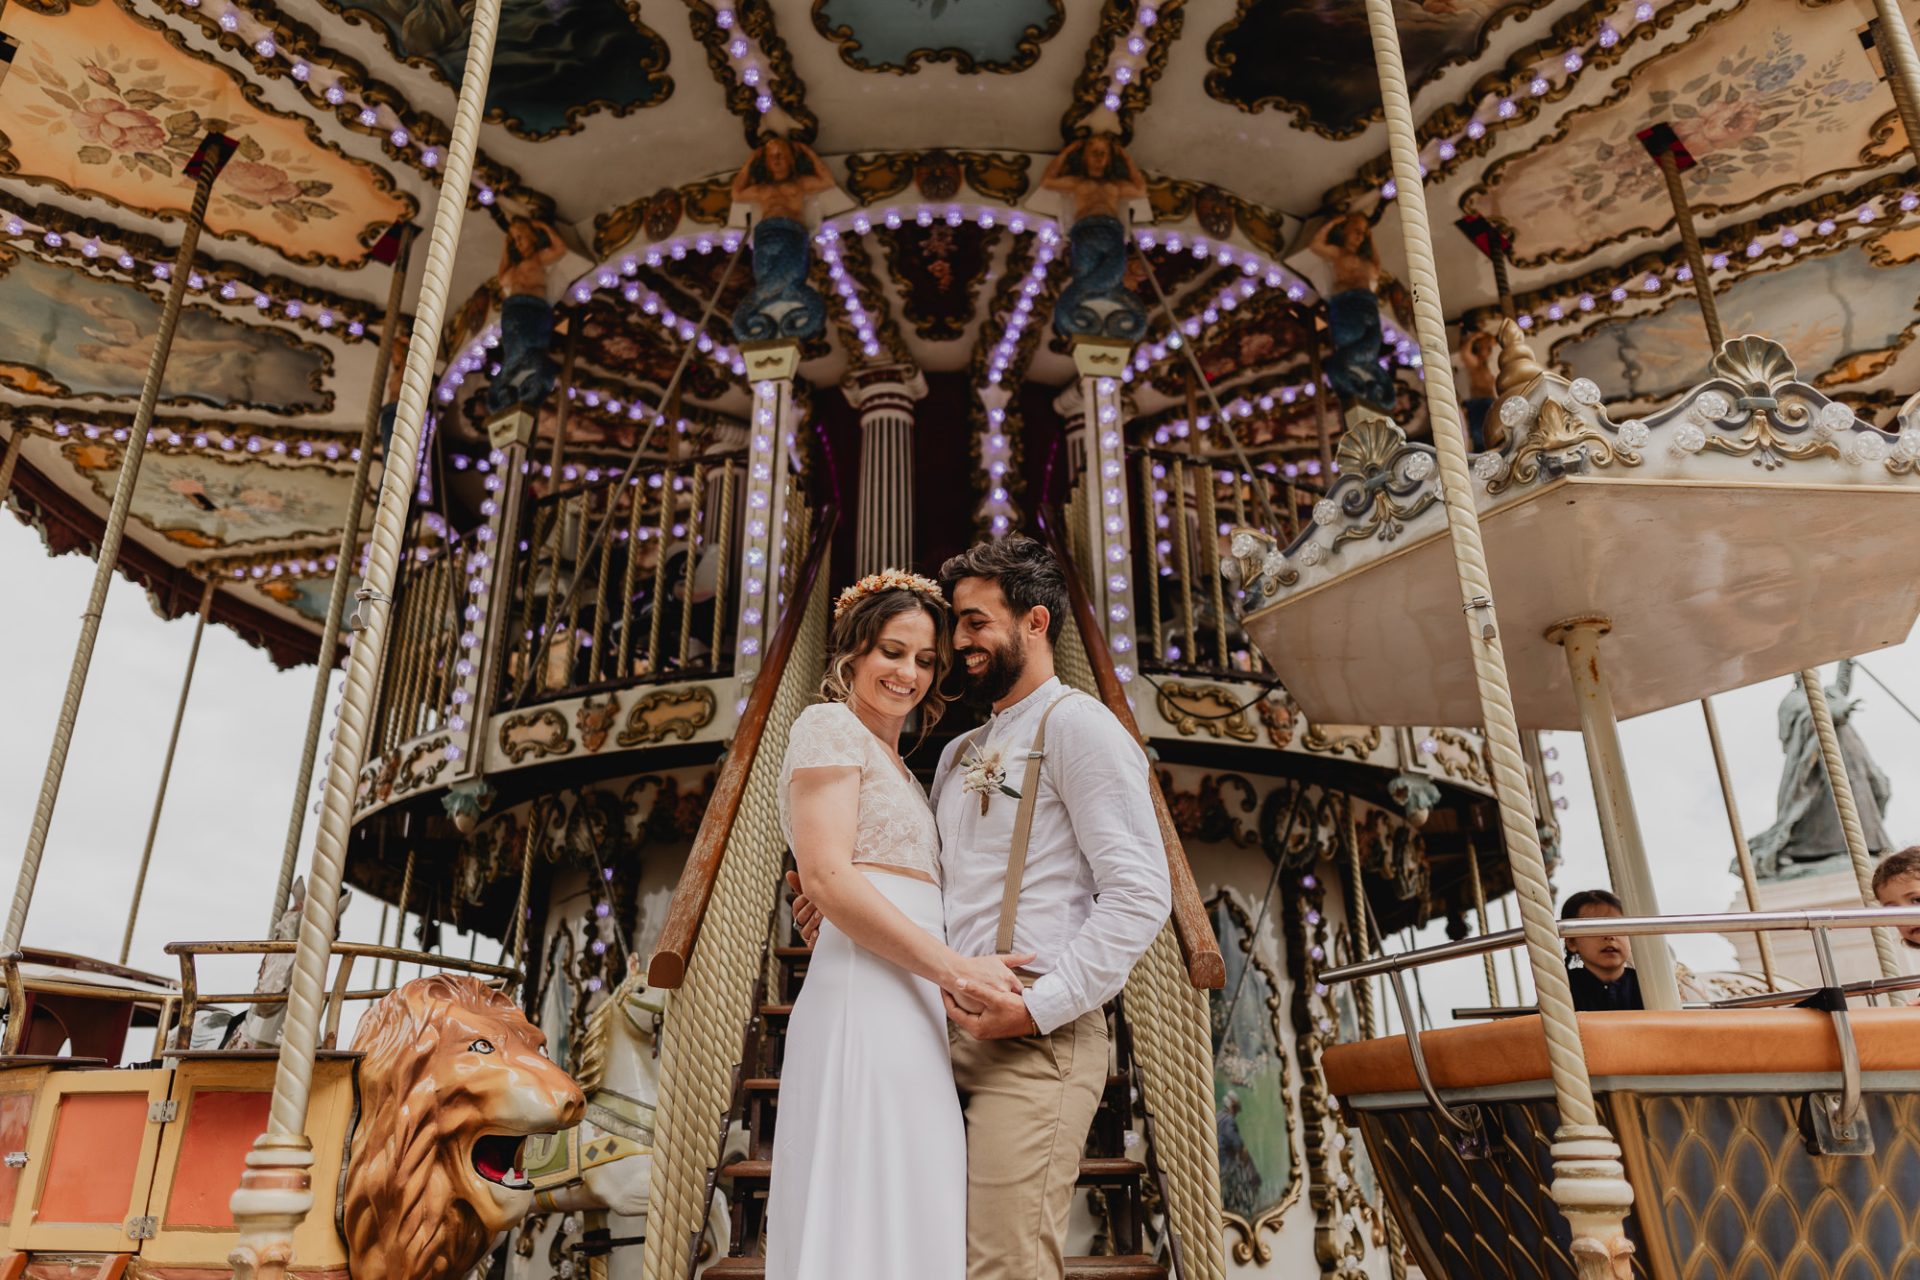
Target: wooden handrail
[
  {"x": 668, "y": 968},
  {"x": 1198, "y": 947}
]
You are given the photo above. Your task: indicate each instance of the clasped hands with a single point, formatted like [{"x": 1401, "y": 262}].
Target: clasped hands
[{"x": 982, "y": 995}]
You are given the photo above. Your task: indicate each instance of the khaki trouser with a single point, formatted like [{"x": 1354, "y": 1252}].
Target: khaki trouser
[{"x": 1029, "y": 1103}]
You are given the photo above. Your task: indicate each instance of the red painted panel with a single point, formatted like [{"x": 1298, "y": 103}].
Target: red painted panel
[
  {"x": 221, "y": 1125},
  {"x": 16, "y": 1112},
  {"x": 94, "y": 1159}
]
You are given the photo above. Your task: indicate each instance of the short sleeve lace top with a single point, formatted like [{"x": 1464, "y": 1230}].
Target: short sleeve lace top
[{"x": 895, "y": 826}]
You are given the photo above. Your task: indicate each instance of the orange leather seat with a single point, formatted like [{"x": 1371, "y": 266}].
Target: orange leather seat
[{"x": 1698, "y": 1042}]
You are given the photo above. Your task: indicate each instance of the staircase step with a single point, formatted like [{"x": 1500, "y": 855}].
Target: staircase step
[
  {"x": 1093, "y": 1171},
  {"x": 792, "y": 953},
  {"x": 1123, "y": 1267},
  {"x": 776, "y": 1010},
  {"x": 761, "y": 1084}
]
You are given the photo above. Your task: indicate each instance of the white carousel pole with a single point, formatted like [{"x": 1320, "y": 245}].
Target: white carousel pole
[
  {"x": 1741, "y": 849},
  {"x": 1895, "y": 41},
  {"x": 276, "y": 1191},
  {"x": 166, "y": 769},
  {"x": 1619, "y": 824},
  {"x": 210, "y": 159},
  {"x": 342, "y": 574},
  {"x": 1590, "y": 1185},
  {"x": 1823, "y": 728}
]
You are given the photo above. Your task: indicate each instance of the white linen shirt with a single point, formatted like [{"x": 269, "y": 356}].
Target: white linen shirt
[{"x": 1096, "y": 891}]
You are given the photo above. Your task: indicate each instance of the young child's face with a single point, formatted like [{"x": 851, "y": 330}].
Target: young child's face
[
  {"x": 1903, "y": 891},
  {"x": 1606, "y": 957}
]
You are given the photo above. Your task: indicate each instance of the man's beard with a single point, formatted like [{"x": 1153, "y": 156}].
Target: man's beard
[{"x": 1004, "y": 668}]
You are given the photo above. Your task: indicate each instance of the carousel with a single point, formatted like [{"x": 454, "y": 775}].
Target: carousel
[{"x": 1398, "y": 379}]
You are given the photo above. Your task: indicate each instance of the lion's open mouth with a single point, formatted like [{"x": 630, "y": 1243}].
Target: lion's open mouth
[{"x": 496, "y": 1158}]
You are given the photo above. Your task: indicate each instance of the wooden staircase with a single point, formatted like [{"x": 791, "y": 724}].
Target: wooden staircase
[{"x": 1108, "y": 1168}]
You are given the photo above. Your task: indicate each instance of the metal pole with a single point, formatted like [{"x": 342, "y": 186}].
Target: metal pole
[
  {"x": 166, "y": 769},
  {"x": 1690, "y": 241},
  {"x": 1894, "y": 39},
  {"x": 1498, "y": 256},
  {"x": 1590, "y": 1184},
  {"x": 1619, "y": 825},
  {"x": 1742, "y": 850},
  {"x": 1322, "y": 413},
  {"x": 108, "y": 557},
  {"x": 276, "y": 1190},
  {"x": 1480, "y": 906},
  {"x": 1890, "y": 966},
  {"x": 400, "y": 923},
  {"x": 557, "y": 452},
  {"x": 342, "y": 574}
]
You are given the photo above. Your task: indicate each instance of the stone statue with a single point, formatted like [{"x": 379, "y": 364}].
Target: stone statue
[
  {"x": 526, "y": 317},
  {"x": 1353, "y": 313},
  {"x": 777, "y": 179},
  {"x": 1099, "y": 176},
  {"x": 1806, "y": 839}
]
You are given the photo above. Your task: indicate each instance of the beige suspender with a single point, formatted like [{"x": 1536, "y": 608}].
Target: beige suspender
[{"x": 1023, "y": 830}]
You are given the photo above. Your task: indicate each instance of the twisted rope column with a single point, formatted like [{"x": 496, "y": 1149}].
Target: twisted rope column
[
  {"x": 342, "y": 574},
  {"x": 1590, "y": 1186},
  {"x": 108, "y": 557},
  {"x": 166, "y": 769},
  {"x": 275, "y": 1192},
  {"x": 1849, "y": 813},
  {"x": 1690, "y": 243},
  {"x": 9, "y": 462},
  {"x": 700, "y": 1038},
  {"x": 1895, "y": 41},
  {"x": 1173, "y": 1042}
]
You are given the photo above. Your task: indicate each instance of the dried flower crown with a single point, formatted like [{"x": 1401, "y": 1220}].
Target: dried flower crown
[{"x": 888, "y": 580}]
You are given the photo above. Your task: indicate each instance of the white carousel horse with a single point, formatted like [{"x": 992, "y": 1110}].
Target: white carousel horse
[{"x": 605, "y": 1164}]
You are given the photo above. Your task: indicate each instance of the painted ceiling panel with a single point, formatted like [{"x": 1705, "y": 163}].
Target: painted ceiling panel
[
  {"x": 64, "y": 332},
  {"x": 104, "y": 103},
  {"x": 975, "y": 35}
]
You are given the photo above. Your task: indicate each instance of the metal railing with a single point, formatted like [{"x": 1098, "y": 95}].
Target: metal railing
[
  {"x": 654, "y": 599},
  {"x": 338, "y": 993},
  {"x": 1183, "y": 507},
  {"x": 1837, "y": 1117},
  {"x": 423, "y": 652}
]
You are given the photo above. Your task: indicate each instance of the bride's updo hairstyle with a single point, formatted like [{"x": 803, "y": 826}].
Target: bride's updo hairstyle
[{"x": 862, "y": 612}]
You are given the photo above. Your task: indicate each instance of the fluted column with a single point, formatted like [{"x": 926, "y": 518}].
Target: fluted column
[{"x": 885, "y": 398}]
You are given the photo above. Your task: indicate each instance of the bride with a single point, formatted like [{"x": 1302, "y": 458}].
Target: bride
[{"x": 869, "y": 1156}]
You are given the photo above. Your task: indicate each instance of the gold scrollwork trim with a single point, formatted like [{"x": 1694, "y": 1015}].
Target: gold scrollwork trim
[
  {"x": 537, "y": 734},
  {"x": 1090, "y": 88},
  {"x": 788, "y": 90},
  {"x": 668, "y": 713},
  {"x": 415, "y": 772},
  {"x": 1026, "y": 48},
  {"x": 1209, "y": 708},
  {"x": 1357, "y": 740}
]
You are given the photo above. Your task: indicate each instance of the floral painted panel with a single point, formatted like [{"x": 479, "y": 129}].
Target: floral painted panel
[
  {"x": 66, "y": 333},
  {"x": 102, "y": 103},
  {"x": 976, "y": 35},
  {"x": 1326, "y": 75},
  {"x": 1768, "y": 99},
  {"x": 1840, "y": 317},
  {"x": 1252, "y": 1105},
  {"x": 207, "y": 502},
  {"x": 555, "y": 62}
]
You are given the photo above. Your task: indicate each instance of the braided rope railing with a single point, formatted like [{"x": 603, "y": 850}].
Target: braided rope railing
[
  {"x": 1849, "y": 813},
  {"x": 700, "y": 1038},
  {"x": 1590, "y": 1186},
  {"x": 345, "y": 555},
  {"x": 1173, "y": 1043},
  {"x": 274, "y": 1195}
]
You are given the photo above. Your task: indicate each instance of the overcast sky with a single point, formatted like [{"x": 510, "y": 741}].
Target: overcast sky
[{"x": 225, "y": 823}]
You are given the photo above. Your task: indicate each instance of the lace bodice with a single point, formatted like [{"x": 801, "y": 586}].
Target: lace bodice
[{"x": 895, "y": 826}]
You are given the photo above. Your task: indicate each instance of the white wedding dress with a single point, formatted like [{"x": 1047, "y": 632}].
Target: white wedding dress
[{"x": 869, "y": 1151}]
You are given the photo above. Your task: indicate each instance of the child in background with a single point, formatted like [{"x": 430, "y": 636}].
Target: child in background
[
  {"x": 1605, "y": 980},
  {"x": 1896, "y": 883}
]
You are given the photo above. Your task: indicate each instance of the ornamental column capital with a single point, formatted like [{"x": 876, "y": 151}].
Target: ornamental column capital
[{"x": 887, "y": 386}]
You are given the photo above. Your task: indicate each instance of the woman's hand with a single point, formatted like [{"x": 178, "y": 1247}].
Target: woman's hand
[{"x": 984, "y": 973}]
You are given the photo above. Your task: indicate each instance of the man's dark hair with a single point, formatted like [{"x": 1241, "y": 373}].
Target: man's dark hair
[{"x": 1026, "y": 571}]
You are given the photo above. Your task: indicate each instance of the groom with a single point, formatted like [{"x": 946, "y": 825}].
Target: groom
[{"x": 1083, "y": 857}]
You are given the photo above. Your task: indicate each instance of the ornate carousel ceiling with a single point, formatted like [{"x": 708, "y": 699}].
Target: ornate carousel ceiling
[{"x": 623, "y": 121}]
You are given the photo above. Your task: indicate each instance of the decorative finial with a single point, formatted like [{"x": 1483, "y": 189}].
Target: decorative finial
[{"x": 1518, "y": 366}]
